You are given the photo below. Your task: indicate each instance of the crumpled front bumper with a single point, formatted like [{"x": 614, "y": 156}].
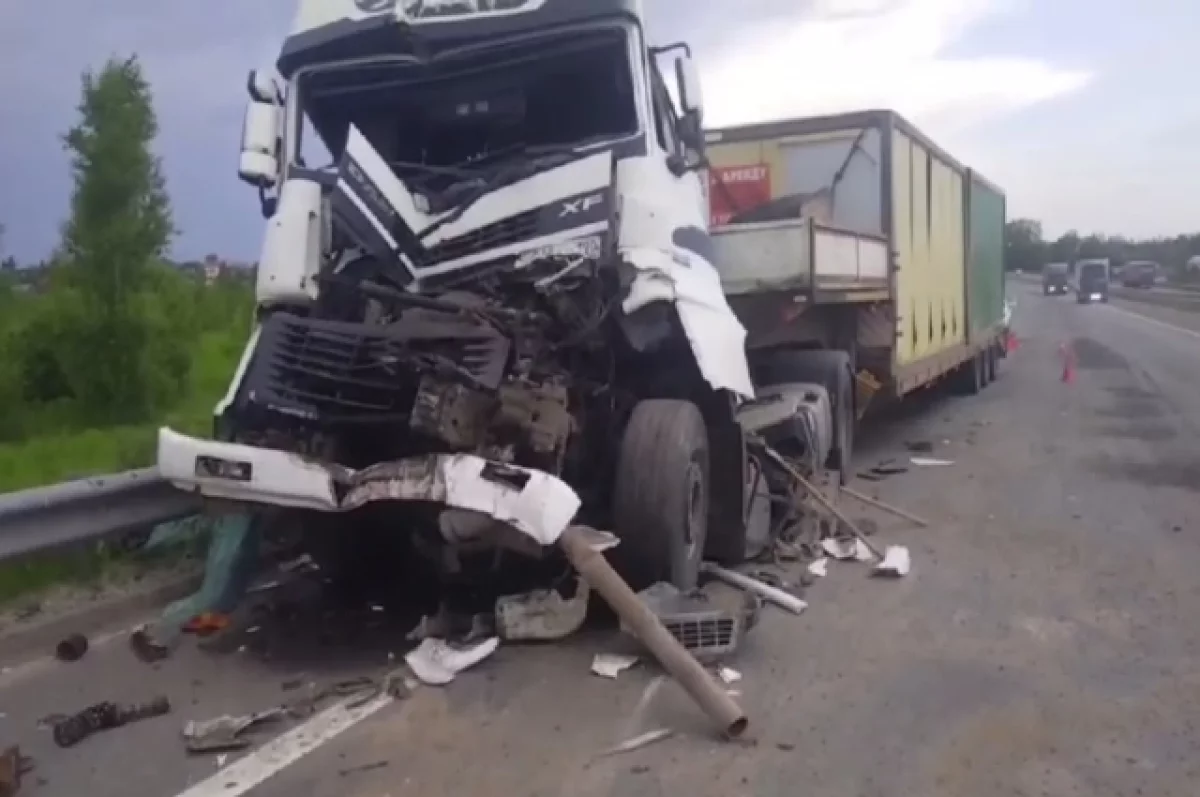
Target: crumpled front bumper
[{"x": 537, "y": 503}]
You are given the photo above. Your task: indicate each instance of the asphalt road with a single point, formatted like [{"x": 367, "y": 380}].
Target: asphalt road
[{"x": 1044, "y": 644}]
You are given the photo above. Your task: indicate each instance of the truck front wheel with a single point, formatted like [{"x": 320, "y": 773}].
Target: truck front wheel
[{"x": 661, "y": 495}]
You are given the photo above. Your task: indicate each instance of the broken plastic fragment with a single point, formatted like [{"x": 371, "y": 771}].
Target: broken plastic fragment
[
  {"x": 729, "y": 675},
  {"x": 930, "y": 462},
  {"x": 436, "y": 663},
  {"x": 896, "y": 562},
  {"x": 610, "y": 665},
  {"x": 542, "y": 614},
  {"x": 819, "y": 568}
]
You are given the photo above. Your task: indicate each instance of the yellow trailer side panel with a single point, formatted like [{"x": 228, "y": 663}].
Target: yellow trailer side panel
[{"x": 927, "y": 219}]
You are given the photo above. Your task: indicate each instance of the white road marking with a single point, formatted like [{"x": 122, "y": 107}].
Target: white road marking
[
  {"x": 1154, "y": 321},
  {"x": 284, "y": 750}
]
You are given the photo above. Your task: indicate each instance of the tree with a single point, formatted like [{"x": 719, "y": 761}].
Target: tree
[
  {"x": 1024, "y": 248},
  {"x": 120, "y": 226}
]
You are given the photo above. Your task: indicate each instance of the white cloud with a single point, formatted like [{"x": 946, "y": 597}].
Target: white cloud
[{"x": 856, "y": 54}]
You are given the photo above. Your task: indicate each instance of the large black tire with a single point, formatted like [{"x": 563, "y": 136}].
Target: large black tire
[
  {"x": 972, "y": 375},
  {"x": 661, "y": 495},
  {"x": 835, "y": 371}
]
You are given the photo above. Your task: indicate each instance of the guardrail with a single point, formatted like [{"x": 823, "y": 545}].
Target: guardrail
[{"x": 67, "y": 514}]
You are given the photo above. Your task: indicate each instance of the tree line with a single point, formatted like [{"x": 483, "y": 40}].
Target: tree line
[
  {"x": 1026, "y": 249},
  {"x": 115, "y": 335}
]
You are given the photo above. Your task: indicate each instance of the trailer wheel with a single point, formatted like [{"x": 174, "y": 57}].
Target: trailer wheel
[
  {"x": 832, "y": 369},
  {"x": 971, "y": 375},
  {"x": 661, "y": 495}
]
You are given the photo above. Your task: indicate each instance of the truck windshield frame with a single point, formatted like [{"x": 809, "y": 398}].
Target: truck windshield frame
[{"x": 528, "y": 61}]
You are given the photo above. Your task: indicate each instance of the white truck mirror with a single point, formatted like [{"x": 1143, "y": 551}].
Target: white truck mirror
[
  {"x": 259, "y": 161},
  {"x": 688, "y": 79}
]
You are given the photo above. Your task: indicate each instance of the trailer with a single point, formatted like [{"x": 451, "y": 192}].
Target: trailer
[{"x": 856, "y": 233}]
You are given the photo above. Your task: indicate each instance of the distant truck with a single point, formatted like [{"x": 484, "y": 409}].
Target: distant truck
[
  {"x": 1056, "y": 279},
  {"x": 1140, "y": 274},
  {"x": 1092, "y": 277}
]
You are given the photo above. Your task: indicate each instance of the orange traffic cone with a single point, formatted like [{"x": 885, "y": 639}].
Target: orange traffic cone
[
  {"x": 1068, "y": 358},
  {"x": 1011, "y": 342}
]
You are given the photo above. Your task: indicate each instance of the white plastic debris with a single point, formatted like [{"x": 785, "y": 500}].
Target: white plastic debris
[
  {"x": 765, "y": 591},
  {"x": 639, "y": 741},
  {"x": 436, "y": 663},
  {"x": 844, "y": 550},
  {"x": 729, "y": 675},
  {"x": 611, "y": 665},
  {"x": 819, "y": 568},
  {"x": 896, "y": 562},
  {"x": 930, "y": 462}
]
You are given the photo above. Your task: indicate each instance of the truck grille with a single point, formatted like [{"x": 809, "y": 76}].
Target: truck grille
[
  {"x": 492, "y": 236},
  {"x": 334, "y": 371}
]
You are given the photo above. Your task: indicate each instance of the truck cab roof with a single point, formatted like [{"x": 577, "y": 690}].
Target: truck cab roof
[{"x": 327, "y": 31}]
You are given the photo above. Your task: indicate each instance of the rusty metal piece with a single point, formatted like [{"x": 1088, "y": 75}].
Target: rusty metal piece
[{"x": 13, "y": 766}]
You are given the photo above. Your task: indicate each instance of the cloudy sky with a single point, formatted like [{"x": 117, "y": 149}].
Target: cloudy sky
[{"x": 1081, "y": 109}]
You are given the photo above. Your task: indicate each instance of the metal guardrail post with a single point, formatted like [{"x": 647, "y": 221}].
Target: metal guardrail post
[{"x": 62, "y": 515}]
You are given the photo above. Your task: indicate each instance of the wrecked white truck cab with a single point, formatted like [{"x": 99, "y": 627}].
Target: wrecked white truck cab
[{"x": 494, "y": 296}]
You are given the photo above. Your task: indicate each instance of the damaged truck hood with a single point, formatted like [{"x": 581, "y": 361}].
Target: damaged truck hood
[{"x": 551, "y": 206}]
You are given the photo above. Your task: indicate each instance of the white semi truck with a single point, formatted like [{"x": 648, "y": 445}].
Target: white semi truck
[{"x": 497, "y": 306}]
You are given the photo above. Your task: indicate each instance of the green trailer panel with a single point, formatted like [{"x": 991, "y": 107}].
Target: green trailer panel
[{"x": 985, "y": 212}]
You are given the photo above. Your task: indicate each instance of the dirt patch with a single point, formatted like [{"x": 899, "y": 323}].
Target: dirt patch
[
  {"x": 1179, "y": 473},
  {"x": 1146, "y": 433},
  {"x": 1095, "y": 356}
]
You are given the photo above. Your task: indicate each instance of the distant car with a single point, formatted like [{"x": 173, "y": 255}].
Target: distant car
[
  {"x": 1055, "y": 277},
  {"x": 1091, "y": 281},
  {"x": 1140, "y": 274}
]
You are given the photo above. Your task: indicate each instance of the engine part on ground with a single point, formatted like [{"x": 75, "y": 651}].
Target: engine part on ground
[
  {"x": 691, "y": 675},
  {"x": 13, "y": 766},
  {"x": 105, "y": 716},
  {"x": 707, "y": 631},
  {"x": 72, "y": 648},
  {"x": 542, "y": 615}
]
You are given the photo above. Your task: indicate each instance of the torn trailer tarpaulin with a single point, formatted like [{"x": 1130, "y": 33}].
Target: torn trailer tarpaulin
[{"x": 534, "y": 502}]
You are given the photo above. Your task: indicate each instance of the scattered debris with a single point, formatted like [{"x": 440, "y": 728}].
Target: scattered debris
[
  {"x": 919, "y": 446},
  {"x": 706, "y": 629},
  {"x": 436, "y": 663},
  {"x": 819, "y": 567},
  {"x": 543, "y": 614},
  {"x": 729, "y": 675},
  {"x": 13, "y": 766},
  {"x": 72, "y": 730},
  {"x": 889, "y": 470},
  {"x": 869, "y": 501},
  {"x": 223, "y": 734},
  {"x": 847, "y": 549},
  {"x": 206, "y": 624},
  {"x": 611, "y": 665},
  {"x": 896, "y": 562},
  {"x": 638, "y": 742},
  {"x": 363, "y": 768},
  {"x": 766, "y": 592},
  {"x": 72, "y": 648},
  {"x": 930, "y": 462},
  {"x": 146, "y": 649},
  {"x": 578, "y": 546}
]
